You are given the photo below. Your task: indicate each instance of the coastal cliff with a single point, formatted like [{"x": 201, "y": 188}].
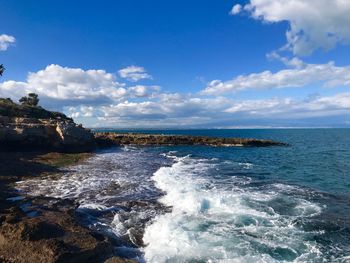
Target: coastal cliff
[
  {"x": 34, "y": 128},
  {"x": 47, "y": 134}
]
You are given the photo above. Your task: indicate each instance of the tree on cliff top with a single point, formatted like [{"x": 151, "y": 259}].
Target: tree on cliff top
[
  {"x": 2, "y": 69},
  {"x": 30, "y": 100}
]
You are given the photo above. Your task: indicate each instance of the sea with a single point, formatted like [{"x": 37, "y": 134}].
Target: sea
[{"x": 217, "y": 204}]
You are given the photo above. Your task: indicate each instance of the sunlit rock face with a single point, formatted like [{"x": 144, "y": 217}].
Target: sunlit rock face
[{"x": 47, "y": 134}]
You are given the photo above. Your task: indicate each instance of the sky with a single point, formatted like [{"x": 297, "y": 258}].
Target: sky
[{"x": 183, "y": 63}]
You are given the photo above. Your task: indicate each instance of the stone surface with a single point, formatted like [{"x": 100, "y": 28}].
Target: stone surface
[
  {"x": 105, "y": 139},
  {"x": 19, "y": 133},
  {"x": 119, "y": 260},
  {"x": 44, "y": 229},
  {"x": 53, "y": 236}
]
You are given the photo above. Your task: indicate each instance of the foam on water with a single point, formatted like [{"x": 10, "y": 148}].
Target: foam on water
[
  {"x": 113, "y": 189},
  {"x": 194, "y": 209},
  {"x": 213, "y": 222}
]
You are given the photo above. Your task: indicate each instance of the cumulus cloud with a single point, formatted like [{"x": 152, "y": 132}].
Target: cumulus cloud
[
  {"x": 175, "y": 110},
  {"x": 6, "y": 41},
  {"x": 289, "y": 108},
  {"x": 236, "y": 9},
  {"x": 313, "y": 24},
  {"x": 140, "y": 91},
  {"x": 300, "y": 75},
  {"x": 134, "y": 73},
  {"x": 84, "y": 111},
  {"x": 167, "y": 110},
  {"x": 95, "y": 98},
  {"x": 71, "y": 86}
]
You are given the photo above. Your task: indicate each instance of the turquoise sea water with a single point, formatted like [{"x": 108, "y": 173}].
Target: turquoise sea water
[
  {"x": 316, "y": 158},
  {"x": 220, "y": 204}
]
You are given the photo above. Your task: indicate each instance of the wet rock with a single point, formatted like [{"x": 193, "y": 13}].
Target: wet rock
[{"x": 52, "y": 237}]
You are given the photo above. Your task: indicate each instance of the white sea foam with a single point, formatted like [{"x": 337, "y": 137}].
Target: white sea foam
[
  {"x": 213, "y": 218},
  {"x": 246, "y": 165},
  {"x": 219, "y": 224},
  {"x": 102, "y": 187}
]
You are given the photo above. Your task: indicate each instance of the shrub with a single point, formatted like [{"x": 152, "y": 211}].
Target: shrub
[{"x": 30, "y": 100}]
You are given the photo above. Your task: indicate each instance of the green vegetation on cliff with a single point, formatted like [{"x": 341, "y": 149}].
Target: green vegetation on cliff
[{"x": 28, "y": 110}]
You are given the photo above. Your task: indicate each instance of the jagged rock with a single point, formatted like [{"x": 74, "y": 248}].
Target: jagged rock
[{"x": 72, "y": 135}]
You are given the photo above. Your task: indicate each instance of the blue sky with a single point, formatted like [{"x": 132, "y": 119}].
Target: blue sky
[{"x": 157, "y": 63}]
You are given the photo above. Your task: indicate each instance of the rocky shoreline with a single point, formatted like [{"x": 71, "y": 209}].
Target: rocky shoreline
[
  {"x": 63, "y": 135},
  {"x": 42, "y": 229},
  {"x": 105, "y": 139},
  {"x": 36, "y": 143}
]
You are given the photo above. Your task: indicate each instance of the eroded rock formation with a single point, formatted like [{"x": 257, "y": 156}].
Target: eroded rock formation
[{"x": 19, "y": 133}]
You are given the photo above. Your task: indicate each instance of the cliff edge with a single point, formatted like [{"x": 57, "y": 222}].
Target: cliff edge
[{"x": 34, "y": 128}]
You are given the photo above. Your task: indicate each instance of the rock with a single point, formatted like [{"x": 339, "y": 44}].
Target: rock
[
  {"x": 74, "y": 136},
  {"x": 33, "y": 127},
  {"x": 18, "y": 133},
  {"x": 105, "y": 139},
  {"x": 54, "y": 236},
  {"x": 119, "y": 260}
]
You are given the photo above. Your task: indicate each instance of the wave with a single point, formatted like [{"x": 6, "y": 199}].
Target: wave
[
  {"x": 212, "y": 222},
  {"x": 114, "y": 193}
]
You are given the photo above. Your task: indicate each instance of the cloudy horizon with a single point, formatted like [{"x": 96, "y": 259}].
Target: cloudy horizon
[{"x": 299, "y": 79}]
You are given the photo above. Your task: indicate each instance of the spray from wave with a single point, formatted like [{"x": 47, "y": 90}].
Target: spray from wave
[
  {"x": 186, "y": 209},
  {"x": 215, "y": 220}
]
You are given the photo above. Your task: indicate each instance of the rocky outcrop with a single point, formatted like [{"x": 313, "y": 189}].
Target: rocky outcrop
[
  {"x": 52, "y": 236},
  {"x": 44, "y": 229},
  {"x": 18, "y": 133},
  {"x": 105, "y": 139}
]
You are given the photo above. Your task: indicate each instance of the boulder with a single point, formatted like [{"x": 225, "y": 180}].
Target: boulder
[{"x": 74, "y": 137}]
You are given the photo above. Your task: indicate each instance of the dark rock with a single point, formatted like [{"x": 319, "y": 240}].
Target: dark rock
[
  {"x": 119, "y": 260},
  {"x": 52, "y": 237},
  {"x": 106, "y": 139}
]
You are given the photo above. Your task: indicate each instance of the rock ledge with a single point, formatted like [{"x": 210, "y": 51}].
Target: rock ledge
[
  {"x": 18, "y": 133},
  {"x": 105, "y": 139}
]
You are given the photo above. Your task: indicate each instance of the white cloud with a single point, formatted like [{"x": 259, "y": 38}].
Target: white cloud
[
  {"x": 134, "y": 73},
  {"x": 288, "y": 108},
  {"x": 174, "y": 110},
  {"x": 236, "y": 9},
  {"x": 84, "y": 111},
  {"x": 6, "y": 41},
  {"x": 141, "y": 91},
  {"x": 93, "y": 97},
  {"x": 302, "y": 74},
  {"x": 72, "y": 86},
  {"x": 168, "y": 110},
  {"x": 313, "y": 24}
]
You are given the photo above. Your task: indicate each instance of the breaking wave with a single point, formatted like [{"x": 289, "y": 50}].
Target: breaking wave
[{"x": 221, "y": 221}]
